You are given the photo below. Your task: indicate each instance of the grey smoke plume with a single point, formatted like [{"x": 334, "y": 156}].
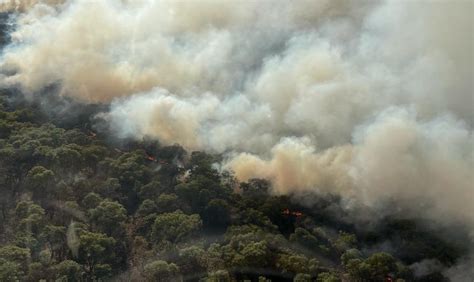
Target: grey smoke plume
[{"x": 369, "y": 100}]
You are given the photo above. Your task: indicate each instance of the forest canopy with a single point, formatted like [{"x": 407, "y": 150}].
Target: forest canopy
[{"x": 77, "y": 206}]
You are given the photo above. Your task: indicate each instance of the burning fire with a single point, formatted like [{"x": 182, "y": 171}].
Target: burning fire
[
  {"x": 150, "y": 158},
  {"x": 293, "y": 213}
]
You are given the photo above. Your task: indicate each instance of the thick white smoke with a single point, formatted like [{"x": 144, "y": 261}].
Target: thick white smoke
[{"x": 369, "y": 100}]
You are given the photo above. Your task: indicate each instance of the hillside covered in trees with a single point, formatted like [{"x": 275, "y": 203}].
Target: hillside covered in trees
[
  {"x": 320, "y": 140},
  {"x": 79, "y": 206}
]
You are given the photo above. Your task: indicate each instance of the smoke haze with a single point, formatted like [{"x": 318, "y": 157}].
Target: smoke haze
[{"x": 372, "y": 101}]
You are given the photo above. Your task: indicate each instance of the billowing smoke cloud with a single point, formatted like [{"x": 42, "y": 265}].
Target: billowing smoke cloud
[
  {"x": 369, "y": 100},
  {"x": 25, "y": 5}
]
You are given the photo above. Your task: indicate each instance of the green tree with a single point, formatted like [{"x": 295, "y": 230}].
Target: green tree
[
  {"x": 219, "y": 276},
  {"x": 201, "y": 164},
  {"x": 24, "y": 209},
  {"x": 216, "y": 215},
  {"x": 297, "y": 263},
  {"x": 345, "y": 241},
  {"x": 40, "y": 176},
  {"x": 96, "y": 252},
  {"x": 374, "y": 268},
  {"x": 192, "y": 260},
  {"x": 378, "y": 265},
  {"x": 68, "y": 157},
  {"x": 328, "y": 277},
  {"x": 167, "y": 203},
  {"x": 31, "y": 217},
  {"x": 108, "y": 216},
  {"x": 129, "y": 168},
  {"x": 302, "y": 277},
  {"x": 16, "y": 255},
  {"x": 254, "y": 254},
  {"x": 68, "y": 270},
  {"x": 91, "y": 200},
  {"x": 160, "y": 270},
  {"x": 193, "y": 194},
  {"x": 55, "y": 237},
  {"x": 350, "y": 255},
  {"x": 38, "y": 272},
  {"x": 305, "y": 238},
  {"x": 40, "y": 180},
  {"x": 151, "y": 191},
  {"x": 10, "y": 271},
  {"x": 111, "y": 189},
  {"x": 147, "y": 207},
  {"x": 175, "y": 227}
]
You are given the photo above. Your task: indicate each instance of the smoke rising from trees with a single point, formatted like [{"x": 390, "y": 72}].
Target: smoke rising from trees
[{"x": 370, "y": 101}]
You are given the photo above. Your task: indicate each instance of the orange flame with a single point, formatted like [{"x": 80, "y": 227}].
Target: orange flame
[
  {"x": 293, "y": 213},
  {"x": 150, "y": 158}
]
